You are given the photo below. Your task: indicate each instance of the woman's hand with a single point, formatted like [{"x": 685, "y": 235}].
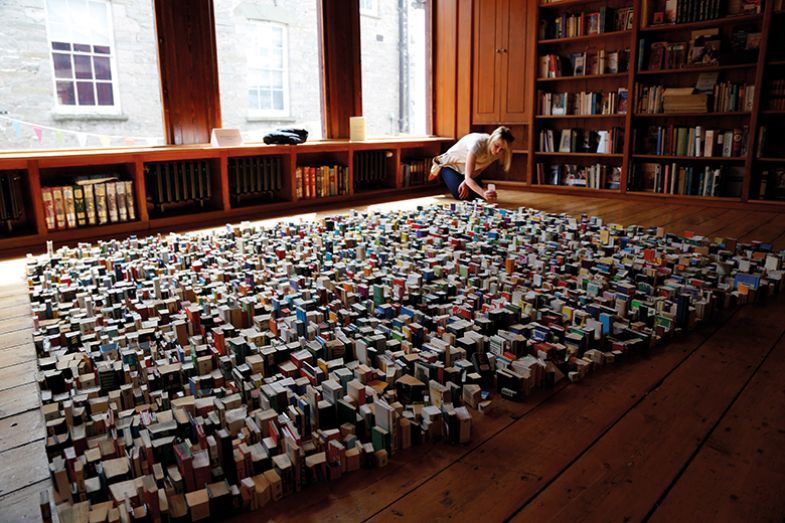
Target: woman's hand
[
  {"x": 489, "y": 196},
  {"x": 463, "y": 190}
]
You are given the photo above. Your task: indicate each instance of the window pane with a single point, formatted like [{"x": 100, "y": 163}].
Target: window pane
[
  {"x": 126, "y": 94},
  {"x": 82, "y": 66},
  {"x": 277, "y": 100},
  {"x": 394, "y": 95},
  {"x": 82, "y": 48},
  {"x": 264, "y": 45},
  {"x": 62, "y": 65},
  {"x": 85, "y": 94},
  {"x": 105, "y": 94},
  {"x": 65, "y": 93},
  {"x": 103, "y": 68}
]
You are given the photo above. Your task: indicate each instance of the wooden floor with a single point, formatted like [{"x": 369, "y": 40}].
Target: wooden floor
[{"x": 695, "y": 431}]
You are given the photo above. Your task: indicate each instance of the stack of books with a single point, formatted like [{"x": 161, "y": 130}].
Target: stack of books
[
  {"x": 415, "y": 172},
  {"x": 370, "y": 170},
  {"x": 92, "y": 201}
]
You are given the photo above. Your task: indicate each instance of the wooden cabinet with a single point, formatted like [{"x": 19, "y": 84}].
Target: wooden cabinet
[{"x": 502, "y": 61}]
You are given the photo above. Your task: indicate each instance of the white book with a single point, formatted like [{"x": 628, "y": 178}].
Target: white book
[
  {"x": 119, "y": 190},
  {"x": 708, "y": 146}
]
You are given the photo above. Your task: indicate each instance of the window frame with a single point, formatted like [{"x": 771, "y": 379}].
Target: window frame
[
  {"x": 285, "y": 112},
  {"x": 373, "y": 10},
  {"x": 59, "y": 109}
]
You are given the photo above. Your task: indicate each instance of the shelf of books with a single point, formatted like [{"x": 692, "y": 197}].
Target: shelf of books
[
  {"x": 694, "y": 98},
  {"x": 69, "y": 196},
  {"x": 582, "y": 97}
]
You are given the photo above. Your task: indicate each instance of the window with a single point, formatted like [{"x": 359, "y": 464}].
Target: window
[
  {"x": 369, "y": 7},
  {"x": 79, "y": 74},
  {"x": 80, "y": 37},
  {"x": 394, "y": 69},
  {"x": 268, "y": 66},
  {"x": 268, "y": 90}
]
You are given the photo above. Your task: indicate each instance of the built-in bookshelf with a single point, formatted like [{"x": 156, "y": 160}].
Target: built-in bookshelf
[
  {"x": 695, "y": 98},
  {"x": 693, "y": 91},
  {"x": 44, "y": 196},
  {"x": 582, "y": 96}
]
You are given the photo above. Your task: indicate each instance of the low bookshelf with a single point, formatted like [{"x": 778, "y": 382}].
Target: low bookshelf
[{"x": 166, "y": 188}]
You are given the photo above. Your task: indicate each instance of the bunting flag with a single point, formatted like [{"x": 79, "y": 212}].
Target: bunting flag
[{"x": 81, "y": 137}]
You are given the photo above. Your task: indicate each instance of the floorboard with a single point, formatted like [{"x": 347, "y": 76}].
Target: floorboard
[
  {"x": 516, "y": 464},
  {"x": 631, "y": 466},
  {"x": 738, "y": 475}
]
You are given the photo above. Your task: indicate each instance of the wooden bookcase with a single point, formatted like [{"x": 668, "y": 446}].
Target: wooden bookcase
[
  {"x": 55, "y": 168},
  {"x": 760, "y": 162},
  {"x": 590, "y": 62}
]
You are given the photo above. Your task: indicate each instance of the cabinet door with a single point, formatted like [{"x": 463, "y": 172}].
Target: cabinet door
[
  {"x": 486, "y": 59},
  {"x": 516, "y": 61}
]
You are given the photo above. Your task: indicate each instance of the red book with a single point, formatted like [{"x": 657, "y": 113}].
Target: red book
[{"x": 185, "y": 463}]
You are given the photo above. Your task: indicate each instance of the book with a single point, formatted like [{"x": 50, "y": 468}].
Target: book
[
  {"x": 566, "y": 140},
  {"x": 122, "y": 212},
  {"x": 80, "y": 207},
  {"x": 705, "y": 47},
  {"x": 70, "y": 206},
  {"x": 89, "y": 198},
  {"x": 111, "y": 202},
  {"x": 59, "y": 206},
  {"x": 129, "y": 200},
  {"x": 101, "y": 205},
  {"x": 47, "y": 199}
]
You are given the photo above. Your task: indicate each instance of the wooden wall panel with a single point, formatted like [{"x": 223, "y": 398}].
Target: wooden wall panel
[
  {"x": 445, "y": 71},
  {"x": 452, "y": 69},
  {"x": 464, "y": 99},
  {"x": 339, "y": 23},
  {"x": 189, "y": 70}
]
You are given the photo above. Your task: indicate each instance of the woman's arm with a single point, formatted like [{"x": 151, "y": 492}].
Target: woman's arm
[{"x": 468, "y": 180}]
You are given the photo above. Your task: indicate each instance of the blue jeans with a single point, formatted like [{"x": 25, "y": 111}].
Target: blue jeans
[{"x": 453, "y": 180}]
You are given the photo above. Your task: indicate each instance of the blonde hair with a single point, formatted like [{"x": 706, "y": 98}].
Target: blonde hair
[{"x": 504, "y": 136}]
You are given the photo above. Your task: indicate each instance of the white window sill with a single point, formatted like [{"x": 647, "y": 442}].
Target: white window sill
[
  {"x": 86, "y": 117},
  {"x": 286, "y": 119}
]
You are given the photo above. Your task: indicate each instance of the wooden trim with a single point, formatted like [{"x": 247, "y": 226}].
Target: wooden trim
[
  {"x": 430, "y": 31},
  {"x": 339, "y": 25},
  {"x": 34, "y": 177},
  {"x": 187, "y": 58},
  {"x": 752, "y": 139},
  {"x": 445, "y": 67},
  {"x": 463, "y": 95}
]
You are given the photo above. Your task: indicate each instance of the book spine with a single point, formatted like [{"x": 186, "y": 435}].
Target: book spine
[
  {"x": 111, "y": 202},
  {"x": 70, "y": 206},
  {"x": 79, "y": 206},
  {"x": 89, "y": 199},
  {"x": 101, "y": 206},
  {"x": 122, "y": 212},
  {"x": 49, "y": 207},
  {"x": 129, "y": 200}
]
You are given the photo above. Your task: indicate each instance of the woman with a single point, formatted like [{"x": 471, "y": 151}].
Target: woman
[{"x": 462, "y": 165}]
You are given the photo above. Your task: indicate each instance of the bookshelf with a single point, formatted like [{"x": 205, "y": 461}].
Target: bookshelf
[
  {"x": 584, "y": 51},
  {"x": 695, "y": 100},
  {"x": 746, "y": 56},
  {"x": 227, "y": 190}
]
